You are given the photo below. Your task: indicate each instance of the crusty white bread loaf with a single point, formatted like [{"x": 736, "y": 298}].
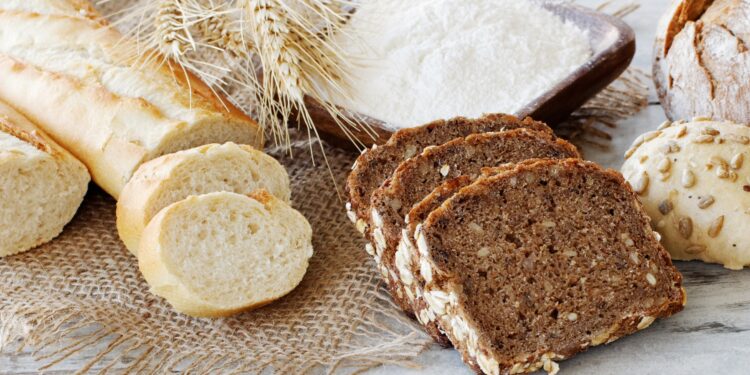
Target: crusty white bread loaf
[
  {"x": 701, "y": 65},
  {"x": 82, "y": 83},
  {"x": 223, "y": 253},
  {"x": 167, "y": 179},
  {"x": 41, "y": 184},
  {"x": 694, "y": 181}
]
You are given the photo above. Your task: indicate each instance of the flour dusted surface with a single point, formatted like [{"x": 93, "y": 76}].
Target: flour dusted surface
[{"x": 420, "y": 60}]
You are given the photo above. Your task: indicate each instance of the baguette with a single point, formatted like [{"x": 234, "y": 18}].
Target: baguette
[
  {"x": 81, "y": 83},
  {"x": 41, "y": 184},
  {"x": 210, "y": 168},
  {"x": 264, "y": 252}
]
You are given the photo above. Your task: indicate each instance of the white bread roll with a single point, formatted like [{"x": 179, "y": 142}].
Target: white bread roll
[
  {"x": 694, "y": 181},
  {"x": 41, "y": 184},
  {"x": 170, "y": 178},
  {"x": 701, "y": 64},
  {"x": 223, "y": 253},
  {"x": 81, "y": 83}
]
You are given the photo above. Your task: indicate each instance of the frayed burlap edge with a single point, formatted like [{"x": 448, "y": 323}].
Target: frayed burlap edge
[{"x": 56, "y": 335}]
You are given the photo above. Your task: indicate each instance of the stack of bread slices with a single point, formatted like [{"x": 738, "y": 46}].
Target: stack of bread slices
[{"x": 501, "y": 241}]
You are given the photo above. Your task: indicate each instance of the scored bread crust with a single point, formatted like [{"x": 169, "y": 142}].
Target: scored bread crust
[
  {"x": 391, "y": 202},
  {"x": 165, "y": 283},
  {"x": 700, "y": 63},
  {"x": 694, "y": 181},
  {"x": 68, "y": 168},
  {"x": 443, "y": 294},
  {"x": 106, "y": 107},
  {"x": 199, "y": 168},
  {"x": 375, "y": 165}
]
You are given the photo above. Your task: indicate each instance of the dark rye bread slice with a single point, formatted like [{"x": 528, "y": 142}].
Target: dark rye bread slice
[
  {"x": 418, "y": 176},
  {"x": 377, "y": 164},
  {"x": 407, "y": 255},
  {"x": 538, "y": 263}
]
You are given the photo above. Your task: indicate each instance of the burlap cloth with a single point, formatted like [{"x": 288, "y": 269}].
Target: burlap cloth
[{"x": 82, "y": 295}]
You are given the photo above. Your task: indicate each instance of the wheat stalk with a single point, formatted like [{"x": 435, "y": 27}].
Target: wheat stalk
[{"x": 279, "y": 51}]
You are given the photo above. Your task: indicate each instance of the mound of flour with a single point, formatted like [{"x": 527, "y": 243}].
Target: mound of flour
[{"x": 420, "y": 60}]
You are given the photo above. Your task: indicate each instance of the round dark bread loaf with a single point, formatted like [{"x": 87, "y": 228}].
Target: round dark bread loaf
[
  {"x": 542, "y": 261},
  {"x": 418, "y": 176},
  {"x": 377, "y": 164}
]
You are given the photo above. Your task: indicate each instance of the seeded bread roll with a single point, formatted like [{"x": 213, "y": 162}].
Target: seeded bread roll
[
  {"x": 265, "y": 247},
  {"x": 418, "y": 176},
  {"x": 694, "y": 182},
  {"x": 170, "y": 178},
  {"x": 701, "y": 64},
  {"x": 377, "y": 164},
  {"x": 81, "y": 83},
  {"x": 41, "y": 184},
  {"x": 538, "y": 263}
]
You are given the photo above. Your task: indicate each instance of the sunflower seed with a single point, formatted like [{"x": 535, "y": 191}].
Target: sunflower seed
[
  {"x": 737, "y": 160},
  {"x": 630, "y": 152},
  {"x": 681, "y": 133},
  {"x": 664, "y": 176},
  {"x": 445, "y": 169},
  {"x": 651, "y": 135},
  {"x": 736, "y": 138},
  {"x": 695, "y": 249},
  {"x": 715, "y": 227},
  {"x": 669, "y": 147},
  {"x": 709, "y": 131},
  {"x": 664, "y": 165},
  {"x": 664, "y": 125},
  {"x": 410, "y": 151},
  {"x": 685, "y": 227},
  {"x": 665, "y": 207},
  {"x": 703, "y": 138},
  {"x": 641, "y": 183},
  {"x": 651, "y": 279},
  {"x": 688, "y": 179},
  {"x": 701, "y": 119},
  {"x": 572, "y": 317},
  {"x": 706, "y": 201}
]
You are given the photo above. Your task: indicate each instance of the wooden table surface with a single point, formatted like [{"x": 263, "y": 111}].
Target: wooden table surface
[{"x": 712, "y": 334}]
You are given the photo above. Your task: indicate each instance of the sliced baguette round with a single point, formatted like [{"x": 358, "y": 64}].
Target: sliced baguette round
[
  {"x": 222, "y": 253},
  {"x": 41, "y": 184},
  {"x": 210, "y": 168}
]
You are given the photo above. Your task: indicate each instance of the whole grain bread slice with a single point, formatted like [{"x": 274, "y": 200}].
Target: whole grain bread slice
[
  {"x": 418, "y": 176},
  {"x": 542, "y": 261},
  {"x": 407, "y": 255},
  {"x": 378, "y": 163}
]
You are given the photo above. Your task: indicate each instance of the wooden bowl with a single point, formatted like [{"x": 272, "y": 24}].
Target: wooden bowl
[{"x": 612, "y": 43}]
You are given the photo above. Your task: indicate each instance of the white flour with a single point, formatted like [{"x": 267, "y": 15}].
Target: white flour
[{"x": 430, "y": 59}]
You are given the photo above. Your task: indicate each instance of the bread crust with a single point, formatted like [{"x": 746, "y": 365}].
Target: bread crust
[
  {"x": 375, "y": 165},
  {"x": 68, "y": 167},
  {"x": 701, "y": 66},
  {"x": 693, "y": 181},
  {"x": 137, "y": 203},
  {"x": 442, "y": 291},
  {"x": 112, "y": 134}
]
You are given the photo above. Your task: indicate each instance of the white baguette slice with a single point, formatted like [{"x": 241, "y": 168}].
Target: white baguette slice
[
  {"x": 41, "y": 184},
  {"x": 222, "y": 253},
  {"x": 201, "y": 170}
]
